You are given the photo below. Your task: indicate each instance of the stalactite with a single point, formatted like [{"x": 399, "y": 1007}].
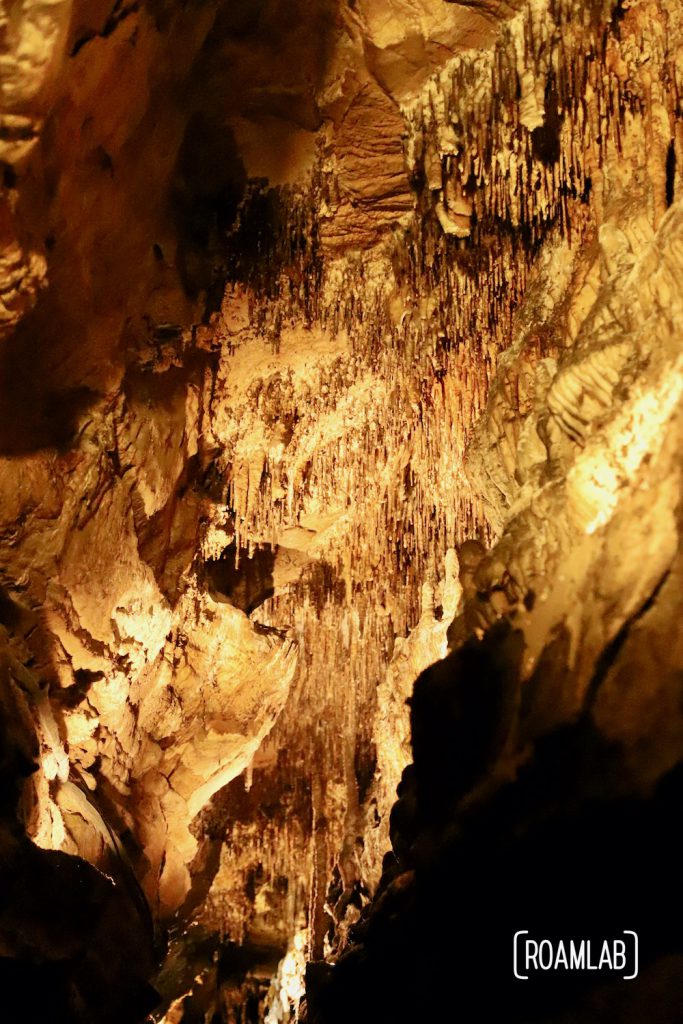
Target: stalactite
[
  {"x": 527, "y": 151},
  {"x": 330, "y": 417}
]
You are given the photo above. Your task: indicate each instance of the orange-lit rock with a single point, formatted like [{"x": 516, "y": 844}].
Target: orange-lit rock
[{"x": 295, "y": 299}]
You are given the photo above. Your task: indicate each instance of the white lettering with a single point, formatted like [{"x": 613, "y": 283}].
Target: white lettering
[
  {"x": 574, "y": 955},
  {"x": 561, "y": 957},
  {"x": 549, "y": 964},
  {"x": 619, "y": 955},
  {"x": 605, "y": 956},
  {"x": 577, "y": 956},
  {"x": 529, "y": 956}
]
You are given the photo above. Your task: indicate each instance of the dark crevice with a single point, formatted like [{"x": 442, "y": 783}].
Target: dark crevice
[
  {"x": 208, "y": 185},
  {"x": 9, "y": 176},
  {"x": 545, "y": 140},
  {"x": 244, "y": 581},
  {"x": 119, "y": 14},
  {"x": 72, "y": 696},
  {"x": 670, "y": 173},
  {"x": 618, "y": 15}
]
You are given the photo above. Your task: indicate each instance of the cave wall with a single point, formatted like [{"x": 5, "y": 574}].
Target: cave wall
[{"x": 295, "y": 300}]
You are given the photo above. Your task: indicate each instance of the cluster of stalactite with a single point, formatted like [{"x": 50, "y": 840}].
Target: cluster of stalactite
[
  {"x": 525, "y": 150},
  {"x": 280, "y": 849},
  {"x": 390, "y": 360},
  {"x": 273, "y": 250},
  {"x": 522, "y": 154},
  {"x": 506, "y": 150},
  {"x": 508, "y": 139},
  {"x": 295, "y": 752}
]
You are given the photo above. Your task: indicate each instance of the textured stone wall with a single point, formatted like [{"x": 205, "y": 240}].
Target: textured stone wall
[{"x": 295, "y": 299}]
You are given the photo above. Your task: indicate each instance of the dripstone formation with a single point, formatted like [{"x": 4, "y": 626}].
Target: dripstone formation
[{"x": 338, "y": 339}]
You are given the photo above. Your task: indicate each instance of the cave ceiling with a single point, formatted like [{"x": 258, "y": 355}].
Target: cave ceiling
[{"x": 295, "y": 299}]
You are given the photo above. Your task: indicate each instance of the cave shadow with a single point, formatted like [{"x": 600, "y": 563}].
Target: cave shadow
[{"x": 39, "y": 408}]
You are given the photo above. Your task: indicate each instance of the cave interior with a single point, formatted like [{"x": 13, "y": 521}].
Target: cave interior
[{"x": 341, "y": 578}]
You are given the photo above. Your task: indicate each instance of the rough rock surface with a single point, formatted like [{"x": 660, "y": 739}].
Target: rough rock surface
[{"x": 295, "y": 298}]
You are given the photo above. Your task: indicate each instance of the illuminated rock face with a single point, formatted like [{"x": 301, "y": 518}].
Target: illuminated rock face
[{"x": 295, "y": 299}]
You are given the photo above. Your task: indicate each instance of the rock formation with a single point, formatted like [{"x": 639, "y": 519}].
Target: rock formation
[{"x": 334, "y": 335}]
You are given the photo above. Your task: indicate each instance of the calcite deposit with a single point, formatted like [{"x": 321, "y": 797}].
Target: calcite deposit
[{"x": 333, "y": 336}]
